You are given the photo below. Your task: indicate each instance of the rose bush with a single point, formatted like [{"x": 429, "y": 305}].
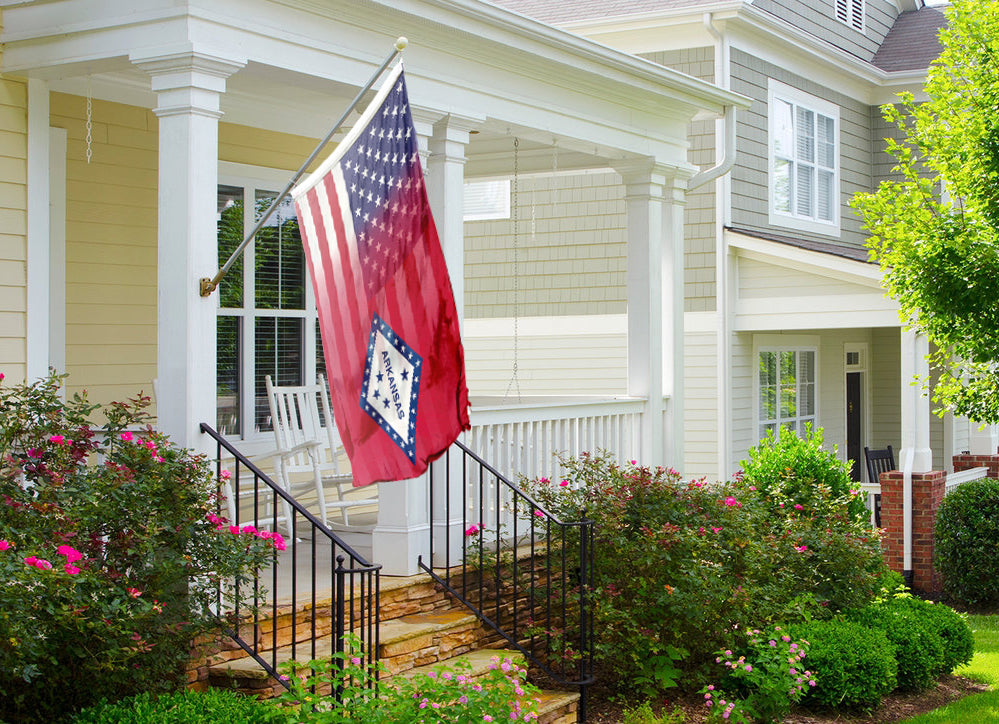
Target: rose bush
[{"x": 112, "y": 553}]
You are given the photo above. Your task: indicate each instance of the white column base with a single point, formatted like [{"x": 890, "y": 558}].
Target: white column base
[{"x": 402, "y": 533}]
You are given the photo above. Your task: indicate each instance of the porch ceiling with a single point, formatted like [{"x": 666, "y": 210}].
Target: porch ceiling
[{"x": 304, "y": 61}]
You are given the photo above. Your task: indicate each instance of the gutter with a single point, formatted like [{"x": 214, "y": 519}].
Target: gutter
[{"x": 724, "y": 165}]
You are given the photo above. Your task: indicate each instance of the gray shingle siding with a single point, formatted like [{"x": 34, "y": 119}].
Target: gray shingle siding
[
  {"x": 750, "y": 182},
  {"x": 818, "y": 18}
]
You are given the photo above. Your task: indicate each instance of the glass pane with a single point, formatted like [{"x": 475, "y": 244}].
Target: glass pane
[
  {"x": 806, "y": 366},
  {"x": 768, "y": 368},
  {"x": 782, "y": 185},
  {"x": 279, "y": 344},
  {"x": 789, "y": 427},
  {"x": 320, "y": 357},
  {"x": 228, "y": 339},
  {"x": 279, "y": 276},
  {"x": 805, "y": 190},
  {"x": 229, "y": 222},
  {"x": 764, "y": 429},
  {"x": 827, "y": 142},
  {"x": 805, "y": 135},
  {"x": 783, "y": 128},
  {"x": 806, "y": 399},
  {"x": 825, "y": 196},
  {"x": 768, "y": 403}
]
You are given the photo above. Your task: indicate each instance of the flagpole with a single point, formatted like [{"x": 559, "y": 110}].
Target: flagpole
[{"x": 210, "y": 285}]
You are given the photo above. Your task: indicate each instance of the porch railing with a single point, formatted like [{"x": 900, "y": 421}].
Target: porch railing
[
  {"x": 317, "y": 576},
  {"x": 521, "y": 570},
  {"x": 523, "y": 439}
]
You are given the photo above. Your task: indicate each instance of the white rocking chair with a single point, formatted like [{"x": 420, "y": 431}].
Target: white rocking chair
[{"x": 309, "y": 448}]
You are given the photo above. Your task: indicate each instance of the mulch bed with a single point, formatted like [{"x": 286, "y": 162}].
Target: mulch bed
[{"x": 895, "y": 707}]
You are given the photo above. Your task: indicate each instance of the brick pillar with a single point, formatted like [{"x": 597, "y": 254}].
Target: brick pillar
[
  {"x": 927, "y": 491},
  {"x": 966, "y": 462}
]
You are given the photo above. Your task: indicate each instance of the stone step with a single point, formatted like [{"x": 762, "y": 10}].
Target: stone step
[{"x": 404, "y": 643}]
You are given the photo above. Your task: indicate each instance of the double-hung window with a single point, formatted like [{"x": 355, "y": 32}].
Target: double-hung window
[
  {"x": 266, "y": 322},
  {"x": 787, "y": 390},
  {"x": 804, "y": 160}
]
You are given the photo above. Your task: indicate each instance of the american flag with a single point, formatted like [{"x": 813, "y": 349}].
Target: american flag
[{"x": 383, "y": 294}]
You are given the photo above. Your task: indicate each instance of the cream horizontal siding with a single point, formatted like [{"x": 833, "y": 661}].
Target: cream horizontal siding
[
  {"x": 110, "y": 247},
  {"x": 886, "y": 389},
  {"x": 13, "y": 228},
  {"x": 700, "y": 412},
  {"x": 560, "y": 357},
  {"x": 758, "y": 280},
  {"x": 256, "y": 147},
  {"x": 744, "y": 368},
  {"x": 570, "y": 247}
]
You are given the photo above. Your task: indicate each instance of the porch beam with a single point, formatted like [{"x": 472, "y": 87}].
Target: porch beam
[{"x": 188, "y": 87}]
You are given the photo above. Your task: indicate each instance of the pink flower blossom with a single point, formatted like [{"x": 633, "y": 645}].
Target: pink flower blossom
[
  {"x": 57, "y": 439},
  {"x": 71, "y": 569},
  {"x": 799, "y": 506},
  {"x": 248, "y": 529},
  {"x": 126, "y": 436},
  {"x": 715, "y": 530},
  {"x": 34, "y": 452},
  {"x": 730, "y": 501},
  {"x": 472, "y": 529},
  {"x": 633, "y": 462},
  {"x": 30, "y": 561},
  {"x": 801, "y": 548},
  {"x": 72, "y": 555},
  {"x": 226, "y": 474},
  {"x": 4, "y": 545},
  {"x": 563, "y": 483},
  {"x": 234, "y": 529},
  {"x": 134, "y": 592},
  {"x": 41, "y": 564},
  {"x": 539, "y": 513},
  {"x": 279, "y": 542},
  {"x": 355, "y": 660}
]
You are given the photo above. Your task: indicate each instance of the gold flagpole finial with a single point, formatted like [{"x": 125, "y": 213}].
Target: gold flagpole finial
[{"x": 401, "y": 42}]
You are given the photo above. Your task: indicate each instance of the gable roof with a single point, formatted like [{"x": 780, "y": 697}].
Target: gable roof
[
  {"x": 912, "y": 43},
  {"x": 559, "y": 11}
]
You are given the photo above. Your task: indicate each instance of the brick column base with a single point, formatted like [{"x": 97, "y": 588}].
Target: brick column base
[
  {"x": 927, "y": 491},
  {"x": 966, "y": 462}
]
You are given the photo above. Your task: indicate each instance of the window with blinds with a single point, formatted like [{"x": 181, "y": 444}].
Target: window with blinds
[
  {"x": 804, "y": 180},
  {"x": 851, "y": 12},
  {"x": 266, "y": 317},
  {"x": 787, "y": 391}
]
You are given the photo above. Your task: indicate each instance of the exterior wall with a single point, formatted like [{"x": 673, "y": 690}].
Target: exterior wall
[
  {"x": 883, "y": 163},
  {"x": 744, "y": 370},
  {"x": 110, "y": 248},
  {"x": 700, "y": 414},
  {"x": 886, "y": 389},
  {"x": 555, "y": 356},
  {"x": 750, "y": 182},
  {"x": 13, "y": 228},
  {"x": 572, "y": 253},
  {"x": 700, "y": 231},
  {"x": 758, "y": 280},
  {"x": 241, "y": 144},
  {"x": 819, "y": 19}
]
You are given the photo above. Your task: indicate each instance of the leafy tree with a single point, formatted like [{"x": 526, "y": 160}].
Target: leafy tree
[{"x": 935, "y": 229}]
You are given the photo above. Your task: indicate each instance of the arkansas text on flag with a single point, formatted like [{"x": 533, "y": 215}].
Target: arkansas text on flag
[{"x": 386, "y": 311}]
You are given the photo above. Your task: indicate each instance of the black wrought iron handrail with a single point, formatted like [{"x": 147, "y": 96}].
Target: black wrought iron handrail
[
  {"x": 523, "y": 572},
  {"x": 352, "y": 581}
]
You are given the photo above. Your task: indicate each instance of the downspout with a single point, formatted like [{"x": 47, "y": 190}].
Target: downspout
[{"x": 724, "y": 129}]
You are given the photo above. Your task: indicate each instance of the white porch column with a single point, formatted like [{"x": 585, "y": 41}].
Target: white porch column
[
  {"x": 446, "y": 189},
  {"x": 915, "y": 455},
  {"x": 654, "y": 195},
  {"x": 188, "y": 86},
  {"x": 984, "y": 439},
  {"x": 38, "y": 317}
]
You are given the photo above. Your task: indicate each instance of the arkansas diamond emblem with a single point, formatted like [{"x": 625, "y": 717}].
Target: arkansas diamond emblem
[{"x": 391, "y": 386}]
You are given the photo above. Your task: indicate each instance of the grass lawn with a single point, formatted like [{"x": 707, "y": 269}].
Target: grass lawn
[{"x": 984, "y": 667}]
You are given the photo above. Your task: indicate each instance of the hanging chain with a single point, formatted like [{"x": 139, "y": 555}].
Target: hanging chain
[
  {"x": 90, "y": 122},
  {"x": 514, "y": 379}
]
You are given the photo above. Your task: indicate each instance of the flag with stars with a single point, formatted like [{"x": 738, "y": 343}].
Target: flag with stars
[{"x": 386, "y": 309}]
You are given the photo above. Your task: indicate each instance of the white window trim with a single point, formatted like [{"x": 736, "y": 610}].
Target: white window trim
[
  {"x": 252, "y": 179},
  {"x": 775, "y": 90},
  {"x": 786, "y": 343}
]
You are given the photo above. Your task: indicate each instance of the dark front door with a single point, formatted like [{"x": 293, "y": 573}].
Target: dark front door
[{"x": 854, "y": 449}]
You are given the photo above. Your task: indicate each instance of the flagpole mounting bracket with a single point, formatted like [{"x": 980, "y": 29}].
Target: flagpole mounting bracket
[{"x": 207, "y": 286}]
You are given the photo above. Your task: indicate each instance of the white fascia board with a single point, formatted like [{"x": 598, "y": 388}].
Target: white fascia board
[
  {"x": 861, "y": 273},
  {"x": 815, "y": 319}
]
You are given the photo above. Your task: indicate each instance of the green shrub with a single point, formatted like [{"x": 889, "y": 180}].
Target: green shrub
[
  {"x": 955, "y": 634},
  {"x": 854, "y": 665},
  {"x": 919, "y": 648},
  {"x": 794, "y": 470},
  {"x": 966, "y": 539},
  {"x": 214, "y": 706},
  {"x": 683, "y": 569},
  {"x": 112, "y": 550}
]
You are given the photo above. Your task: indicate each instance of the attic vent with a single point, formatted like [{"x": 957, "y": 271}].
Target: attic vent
[{"x": 851, "y": 12}]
